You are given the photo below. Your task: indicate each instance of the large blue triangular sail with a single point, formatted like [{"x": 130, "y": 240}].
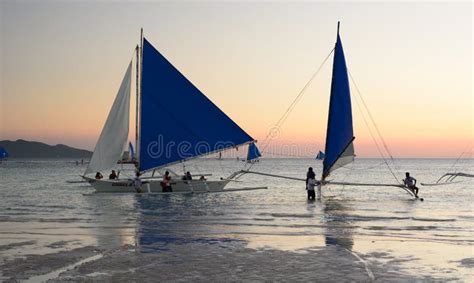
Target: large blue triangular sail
[
  {"x": 339, "y": 137},
  {"x": 178, "y": 121}
]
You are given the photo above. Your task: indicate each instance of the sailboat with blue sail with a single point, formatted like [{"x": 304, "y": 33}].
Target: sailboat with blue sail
[
  {"x": 340, "y": 137},
  {"x": 320, "y": 155},
  {"x": 253, "y": 153},
  {"x": 3, "y": 154},
  {"x": 340, "y": 134},
  {"x": 175, "y": 122},
  {"x": 339, "y": 150}
]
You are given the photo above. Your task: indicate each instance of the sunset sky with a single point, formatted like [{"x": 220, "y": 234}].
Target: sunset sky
[{"x": 62, "y": 62}]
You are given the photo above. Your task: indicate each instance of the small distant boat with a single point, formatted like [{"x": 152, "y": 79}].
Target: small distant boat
[
  {"x": 253, "y": 153},
  {"x": 3, "y": 154},
  {"x": 320, "y": 155},
  {"x": 175, "y": 122},
  {"x": 128, "y": 157}
]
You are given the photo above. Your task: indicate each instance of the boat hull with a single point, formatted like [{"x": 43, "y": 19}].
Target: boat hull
[{"x": 154, "y": 186}]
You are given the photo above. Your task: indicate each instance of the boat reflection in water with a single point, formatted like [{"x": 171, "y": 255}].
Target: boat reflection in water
[
  {"x": 165, "y": 220},
  {"x": 116, "y": 218},
  {"x": 339, "y": 229}
]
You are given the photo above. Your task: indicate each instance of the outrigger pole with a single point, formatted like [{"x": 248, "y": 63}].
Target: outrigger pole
[
  {"x": 452, "y": 176},
  {"x": 324, "y": 182}
]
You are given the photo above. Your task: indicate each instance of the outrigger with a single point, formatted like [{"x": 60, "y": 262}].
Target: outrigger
[{"x": 339, "y": 150}]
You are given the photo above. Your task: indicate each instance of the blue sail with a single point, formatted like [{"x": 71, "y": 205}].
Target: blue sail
[
  {"x": 3, "y": 153},
  {"x": 253, "y": 152},
  {"x": 177, "y": 121},
  {"x": 339, "y": 137},
  {"x": 320, "y": 155}
]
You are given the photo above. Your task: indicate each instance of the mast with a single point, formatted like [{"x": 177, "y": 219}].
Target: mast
[
  {"x": 137, "y": 49},
  {"x": 138, "y": 102}
]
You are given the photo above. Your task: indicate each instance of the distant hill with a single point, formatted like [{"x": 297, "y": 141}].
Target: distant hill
[{"x": 32, "y": 149}]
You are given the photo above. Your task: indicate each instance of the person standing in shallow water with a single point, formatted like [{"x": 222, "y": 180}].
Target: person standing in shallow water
[
  {"x": 166, "y": 183},
  {"x": 137, "y": 183},
  {"x": 310, "y": 183}
]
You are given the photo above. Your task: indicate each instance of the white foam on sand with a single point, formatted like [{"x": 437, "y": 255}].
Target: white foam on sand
[
  {"x": 203, "y": 262},
  {"x": 55, "y": 273}
]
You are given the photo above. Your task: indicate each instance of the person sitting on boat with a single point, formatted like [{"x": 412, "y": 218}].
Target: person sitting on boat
[
  {"x": 166, "y": 183},
  {"x": 187, "y": 176},
  {"x": 98, "y": 176},
  {"x": 310, "y": 183},
  {"x": 202, "y": 178},
  {"x": 410, "y": 183},
  {"x": 113, "y": 175}
]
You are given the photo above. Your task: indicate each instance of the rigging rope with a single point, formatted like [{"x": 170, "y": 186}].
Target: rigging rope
[
  {"x": 371, "y": 117},
  {"x": 466, "y": 151},
  {"x": 288, "y": 155},
  {"x": 285, "y": 115},
  {"x": 376, "y": 128},
  {"x": 360, "y": 169},
  {"x": 300, "y": 94}
]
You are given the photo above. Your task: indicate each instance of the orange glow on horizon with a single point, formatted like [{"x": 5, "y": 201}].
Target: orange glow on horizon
[{"x": 251, "y": 60}]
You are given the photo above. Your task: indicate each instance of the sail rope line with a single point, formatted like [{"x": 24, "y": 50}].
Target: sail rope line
[
  {"x": 385, "y": 161},
  {"x": 366, "y": 168},
  {"x": 287, "y": 155},
  {"x": 371, "y": 117},
  {"x": 286, "y": 114},
  {"x": 373, "y": 137},
  {"x": 371, "y": 132},
  {"x": 467, "y": 150}
]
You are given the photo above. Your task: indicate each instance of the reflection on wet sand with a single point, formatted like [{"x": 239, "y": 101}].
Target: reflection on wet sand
[
  {"x": 116, "y": 218},
  {"x": 339, "y": 230},
  {"x": 168, "y": 220}
]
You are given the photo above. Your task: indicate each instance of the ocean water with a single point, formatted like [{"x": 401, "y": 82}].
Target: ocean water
[{"x": 40, "y": 213}]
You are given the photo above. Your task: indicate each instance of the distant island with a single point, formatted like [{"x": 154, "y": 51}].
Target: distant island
[{"x": 32, "y": 149}]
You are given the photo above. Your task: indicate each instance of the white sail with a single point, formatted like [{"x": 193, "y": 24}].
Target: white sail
[
  {"x": 114, "y": 135},
  {"x": 346, "y": 157}
]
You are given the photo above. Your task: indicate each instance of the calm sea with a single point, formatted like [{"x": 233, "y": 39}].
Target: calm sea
[{"x": 39, "y": 209}]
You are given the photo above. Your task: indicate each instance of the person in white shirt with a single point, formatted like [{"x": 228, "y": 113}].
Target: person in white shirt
[
  {"x": 410, "y": 183},
  {"x": 137, "y": 182}
]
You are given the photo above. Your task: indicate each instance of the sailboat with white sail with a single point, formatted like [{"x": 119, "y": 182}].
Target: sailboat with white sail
[
  {"x": 339, "y": 150},
  {"x": 175, "y": 122}
]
